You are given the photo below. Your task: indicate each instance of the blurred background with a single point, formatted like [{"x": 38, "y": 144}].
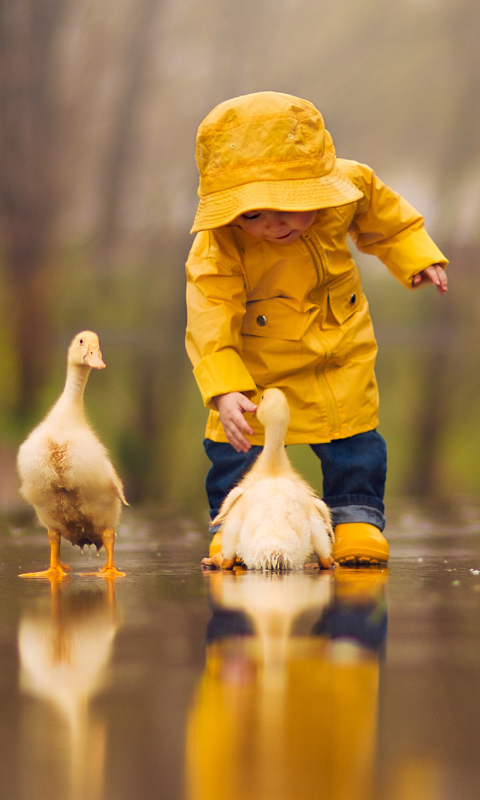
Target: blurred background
[{"x": 99, "y": 106}]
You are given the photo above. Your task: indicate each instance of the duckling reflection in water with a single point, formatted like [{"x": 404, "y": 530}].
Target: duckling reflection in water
[
  {"x": 280, "y": 712},
  {"x": 273, "y": 519},
  {"x": 64, "y": 653},
  {"x": 65, "y": 471}
]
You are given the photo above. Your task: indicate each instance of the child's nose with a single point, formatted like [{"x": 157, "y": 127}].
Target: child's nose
[{"x": 276, "y": 223}]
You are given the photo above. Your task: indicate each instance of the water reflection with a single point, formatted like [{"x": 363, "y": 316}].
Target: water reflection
[
  {"x": 287, "y": 705},
  {"x": 64, "y": 650}
]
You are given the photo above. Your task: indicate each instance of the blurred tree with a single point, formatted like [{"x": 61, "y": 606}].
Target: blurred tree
[
  {"x": 120, "y": 143},
  {"x": 446, "y": 376},
  {"x": 30, "y": 130}
]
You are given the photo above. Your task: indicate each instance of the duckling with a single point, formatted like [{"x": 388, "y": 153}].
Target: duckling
[
  {"x": 65, "y": 471},
  {"x": 273, "y": 519}
]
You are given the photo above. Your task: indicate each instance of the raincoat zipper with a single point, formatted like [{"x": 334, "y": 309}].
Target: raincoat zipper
[
  {"x": 331, "y": 406},
  {"x": 316, "y": 257}
]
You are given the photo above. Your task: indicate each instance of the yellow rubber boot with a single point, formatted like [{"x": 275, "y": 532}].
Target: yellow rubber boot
[
  {"x": 358, "y": 543},
  {"x": 215, "y": 544}
]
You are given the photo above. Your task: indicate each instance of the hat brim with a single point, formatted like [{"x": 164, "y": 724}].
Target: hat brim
[{"x": 306, "y": 194}]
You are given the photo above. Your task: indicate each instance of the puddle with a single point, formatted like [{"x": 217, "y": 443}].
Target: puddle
[{"x": 178, "y": 683}]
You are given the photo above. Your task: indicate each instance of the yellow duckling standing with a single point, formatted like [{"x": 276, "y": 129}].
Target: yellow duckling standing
[
  {"x": 273, "y": 519},
  {"x": 65, "y": 471}
]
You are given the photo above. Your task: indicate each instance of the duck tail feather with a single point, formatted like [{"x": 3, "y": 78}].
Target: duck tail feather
[{"x": 274, "y": 560}]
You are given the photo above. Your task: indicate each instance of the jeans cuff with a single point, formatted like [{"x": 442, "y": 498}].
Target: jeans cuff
[
  {"x": 214, "y": 528},
  {"x": 357, "y": 513}
]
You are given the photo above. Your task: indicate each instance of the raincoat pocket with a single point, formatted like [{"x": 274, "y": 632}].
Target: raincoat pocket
[
  {"x": 345, "y": 296},
  {"x": 276, "y": 318},
  {"x": 272, "y": 331}
]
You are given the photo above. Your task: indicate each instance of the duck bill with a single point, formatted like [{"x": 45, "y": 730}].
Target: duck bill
[{"x": 94, "y": 359}]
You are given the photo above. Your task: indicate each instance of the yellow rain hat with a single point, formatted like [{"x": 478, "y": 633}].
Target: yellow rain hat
[{"x": 266, "y": 151}]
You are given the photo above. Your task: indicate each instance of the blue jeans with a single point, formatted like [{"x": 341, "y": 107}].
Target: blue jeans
[{"x": 354, "y": 473}]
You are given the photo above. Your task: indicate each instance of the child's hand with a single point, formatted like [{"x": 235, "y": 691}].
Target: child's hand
[
  {"x": 436, "y": 274},
  {"x": 231, "y": 407}
]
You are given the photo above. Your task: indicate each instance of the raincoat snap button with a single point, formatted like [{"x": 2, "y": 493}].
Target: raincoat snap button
[
  {"x": 261, "y": 320},
  {"x": 353, "y": 298}
]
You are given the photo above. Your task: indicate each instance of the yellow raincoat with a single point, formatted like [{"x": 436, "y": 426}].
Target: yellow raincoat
[{"x": 295, "y": 316}]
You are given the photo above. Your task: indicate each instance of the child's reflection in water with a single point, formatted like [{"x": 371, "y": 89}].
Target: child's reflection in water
[{"x": 280, "y": 713}]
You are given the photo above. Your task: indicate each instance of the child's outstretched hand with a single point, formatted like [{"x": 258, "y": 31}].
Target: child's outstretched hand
[
  {"x": 436, "y": 274},
  {"x": 231, "y": 407}
]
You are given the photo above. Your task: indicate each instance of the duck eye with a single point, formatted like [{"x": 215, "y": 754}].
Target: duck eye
[{"x": 81, "y": 341}]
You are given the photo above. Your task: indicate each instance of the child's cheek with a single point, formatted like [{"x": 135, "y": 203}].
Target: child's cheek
[{"x": 258, "y": 232}]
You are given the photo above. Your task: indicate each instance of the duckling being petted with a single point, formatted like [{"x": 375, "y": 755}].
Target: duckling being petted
[
  {"x": 65, "y": 471},
  {"x": 275, "y": 299},
  {"x": 273, "y": 519}
]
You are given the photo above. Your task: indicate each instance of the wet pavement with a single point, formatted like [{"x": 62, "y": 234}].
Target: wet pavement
[{"x": 173, "y": 683}]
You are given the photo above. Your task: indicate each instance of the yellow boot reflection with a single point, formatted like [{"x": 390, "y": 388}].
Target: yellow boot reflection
[
  {"x": 282, "y": 715},
  {"x": 64, "y": 653}
]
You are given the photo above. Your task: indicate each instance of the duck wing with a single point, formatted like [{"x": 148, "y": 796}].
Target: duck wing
[
  {"x": 118, "y": 489},
  {"x": 324, "y": 512},
  {"x": 232, "y": 497}
]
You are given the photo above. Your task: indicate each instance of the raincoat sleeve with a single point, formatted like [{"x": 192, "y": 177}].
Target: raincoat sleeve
[
  {"x": 387, "y": 226},
  {"x": 216, "y": 298}
]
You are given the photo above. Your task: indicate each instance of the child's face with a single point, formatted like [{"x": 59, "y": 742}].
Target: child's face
[{"x": 282, "y": 227}]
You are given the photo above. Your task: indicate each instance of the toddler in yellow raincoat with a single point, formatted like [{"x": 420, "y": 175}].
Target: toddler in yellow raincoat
[{"x": 274, "y": 298}]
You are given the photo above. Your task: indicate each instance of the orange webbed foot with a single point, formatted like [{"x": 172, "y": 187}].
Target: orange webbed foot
[
  {"x": 321, "y": 564},
  {"x": 218, "y": 562},
  {"x": 215, "y": 561},
  {"x": 109, "y": 570},
  {"x": 106, "y": 572},
  {"x": 327, "y": 563},
  {"x": 56, "y": 573},
  {"x": 57, "y": 569}
]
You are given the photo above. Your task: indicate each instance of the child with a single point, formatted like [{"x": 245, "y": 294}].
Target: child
[{"x": 275, "y": 299}]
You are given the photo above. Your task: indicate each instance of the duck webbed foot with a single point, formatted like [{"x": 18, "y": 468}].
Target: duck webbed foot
[
  {"x": 109, "y": 570},
  {"x": 57, "y": 568},
  {"x": 49, "y": 573},
  {"x": 326, "y": 563},
  {"x": 321, "y": 563},
  {"x": 218, "y": 562}
]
